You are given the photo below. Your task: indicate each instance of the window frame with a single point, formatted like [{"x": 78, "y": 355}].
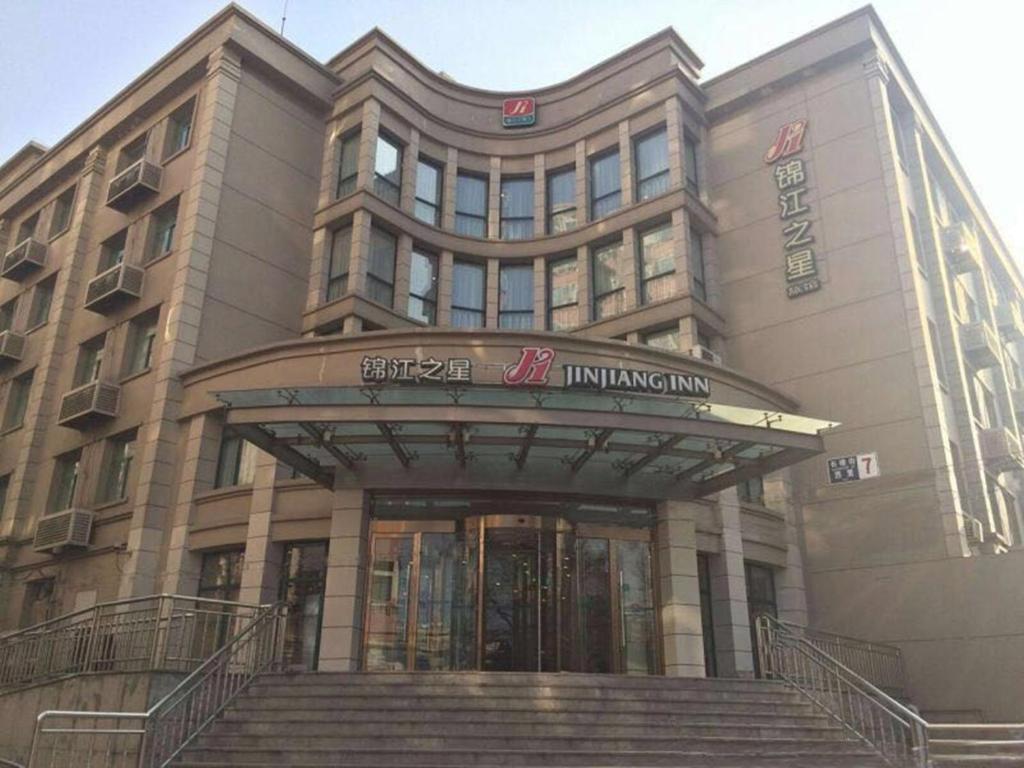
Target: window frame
[
  {"x": 167, "y": 154},
  {"x": 377, "y": 281},
  {"x": 691, "y": 162},
  {"x": 129, "y": 148},
  {"x": 666, "y": 276},
  {"x": 425, "y": 301},
  {"x": 671, "y": 330},
  {"x": 482, "y": 309},
  {"x": 47, "y": 285},
  {"x": 386, "y": 189},
  {"x": 141, "y": 327},
  {"x": 617, "y": 192},
  {"x": 241, "y": 458},
  {"x": 109, "y": 257},
  {"x": 62, "y": 497},
  {"x": 153, "y": 253},
  {"x": 698, "y": 285},
  {"x": 342, "y": 188},
  {"x": 461, "y": 215},
  {"x": 550, "y": 213},
  {"x": 552, "y": 308},
  {"x": 112, "y": 488},
  {"x": 96, "y": 347},
  {"x": 69, "y": 195},
  {"x": 437, "y": 207},
  {"x": 508, "y": 314},
  {"x": 664, "y": 173},
  {"x": 9, "y": 310},
  {"x": 620, "y": 290},
  {"x": 503, "y": 219},
  {"x": 22, "y": 385}
]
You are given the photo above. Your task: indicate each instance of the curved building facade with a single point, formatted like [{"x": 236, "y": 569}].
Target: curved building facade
[{"x": 580, "y": 379}]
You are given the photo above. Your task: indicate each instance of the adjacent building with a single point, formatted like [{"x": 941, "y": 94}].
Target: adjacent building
[{"x": 580, "y": 379}]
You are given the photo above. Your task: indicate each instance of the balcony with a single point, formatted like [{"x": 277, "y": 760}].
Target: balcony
[
  {"x": 89, "y": 404},
  {"x": 23, "y": 259},
  {"x": 135, "y": 183},
  {"x": 117, "y": 285},
  {"x": 980, "y": 345},
  {"x": 12, "y": 347},
  {"x": 961, "y": 247},
  {"x": 1010, "y": 321},
  {"x": 1000, "y": 450}
]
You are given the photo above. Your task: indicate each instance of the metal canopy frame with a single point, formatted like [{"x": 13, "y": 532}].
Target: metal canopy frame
[{"x": 693, "y": 446}]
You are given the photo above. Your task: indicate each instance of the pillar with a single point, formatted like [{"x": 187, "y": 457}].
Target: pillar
[
  {"x": 681, "y": 635},
  {"x": 733, "y": 646},
  {"x": 342, "y": 629},
  {"x": 626, "y": 163},
  {"x": 262, "y": 570}
]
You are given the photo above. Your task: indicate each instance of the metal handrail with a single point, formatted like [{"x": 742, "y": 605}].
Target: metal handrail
[
  {"x": 157, "y": 632},
  {"x": 152, "y": 739}
]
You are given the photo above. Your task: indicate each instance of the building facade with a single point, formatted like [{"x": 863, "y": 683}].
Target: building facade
[{"x": 581, "y": 379}]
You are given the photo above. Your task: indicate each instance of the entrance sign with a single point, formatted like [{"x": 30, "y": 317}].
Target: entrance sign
[
  {"x": 532, "y": 368},
  {"x": 518, "y": 113},
  {"x": 846, "y": 469},
  {"x": 630, "y": 380},
  {"x": 409, "y": 370}
]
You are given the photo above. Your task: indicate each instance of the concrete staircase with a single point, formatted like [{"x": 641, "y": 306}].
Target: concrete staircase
[{"x": 521, "y": 719}]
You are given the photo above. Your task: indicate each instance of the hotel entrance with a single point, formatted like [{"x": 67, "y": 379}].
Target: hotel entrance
[{"x": 538, "y": 591}]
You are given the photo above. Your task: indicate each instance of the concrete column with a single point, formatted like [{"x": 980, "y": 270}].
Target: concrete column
[
  {"x": 444, "y": 288},
  {"x": 681, "y": 246},
  {"x": 347, "y": 559},
  {"x": 451, "y": 172},
  {"x": 540, "y": 196},
  {"x": 790, "y": 589},
  {"x": 491, "y": 292},
  {"x": 198, "y": 470},
  {"x": 712, "y": 273},
  {"x": 410, "y": 156},
  {"x": 359, "y": 256},
  {"x": 368, "y": 143},
  {"x": 674, "y": 134},
  {"x": 540, "y": 293},
  {"x": 626, "y": 163},
  {"x": 582, "y": 192},
  {"x": 403, "y": 265},
  {"x": 494, "y": 200},
  {"x": 733, "y": 647},
  {"x": 583, "y": 284},
  {"x": 630, "y": 278},
  {"x": 157, "y": 488},
  {"x": 687, "y": 333},
  {"x": 261, "y": 573},
  {"x": 681, "y": 635}
]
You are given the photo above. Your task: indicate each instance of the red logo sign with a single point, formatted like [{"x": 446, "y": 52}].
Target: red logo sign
[
  {"x": 532, "y": 368},
  {"x": 518, "y": 112},
  {"x": 789, "y": 141}
]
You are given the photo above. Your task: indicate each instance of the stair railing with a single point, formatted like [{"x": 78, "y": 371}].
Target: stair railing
[
  {"x": 172, "y": 633},
  {"x": 896, "y": 733},
  {"x": 152, "y": 739}
]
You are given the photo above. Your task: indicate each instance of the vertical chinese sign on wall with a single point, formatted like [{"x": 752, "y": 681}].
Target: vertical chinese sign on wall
[{"x": 790, "y": 175}]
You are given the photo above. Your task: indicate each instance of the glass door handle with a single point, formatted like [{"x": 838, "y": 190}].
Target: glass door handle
[{"x": 622, "y": 611}]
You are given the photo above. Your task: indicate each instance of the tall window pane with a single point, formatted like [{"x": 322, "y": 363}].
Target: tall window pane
[
  {"x": 516, "y": 209},
  {"x": 423, "y": 287},
  {"x": 667, "y": 339},
  {"x": 65, "y": 481},
  {"x": 90, "y": 359},
  {"x": 468, "y": 281},
  {"x": 5, "y": 482},
  {"x": 348, "y": 170},
  {"x": 112, "y": 251},
  {"x": 7, "y": 311},
  {"x": 657, "y": 264},
  {"x": 387, "y": 169},
  {"x": 690, "y": 161},
  {"x": 337, "y": 269},
  {"x": 562, "y": 201},
  {"x": 700, "y": 289},
  {"x": 117, "y": 464},
  {"x": 236, "y": 462},
  {"x": 471, "y": 205},
  {"x": 609, "y": 289},
  {"x": 605, "y": 185},
  {"x": 179, "y": 129},
  {"x": 651, "y": 165},
  {"x": 17, "y": 401},
  {"x": 62, "y": 207},
  {"x": 563, "y": 312},
  {"x": 427, "y": 206},
  {"x": 42, "y": 297},
  {"x": 141, "y": 340},
  {"x": 161, "y": 230},
  {"x": 515, "y": 297},
  {"x": 380, "y": 271}
]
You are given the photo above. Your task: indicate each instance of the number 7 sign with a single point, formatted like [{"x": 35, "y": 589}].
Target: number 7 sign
[{"x": 867, "y": 465}]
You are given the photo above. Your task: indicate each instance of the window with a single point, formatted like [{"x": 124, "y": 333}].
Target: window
[
  {"x": 220, "y": 575},
  {"x": 62, "y": 208},
  {"x": 112, "y": 251},
  {"x": 7, "y": 312},
  {"x": 915, "y": 233},
  {"x": 690, "y": 164},
  {"x": 900, "y": 136},
  {"x": 117, "y": 463},
  {"x": 337, "y": 269},
  {"x": 5, "y": 483},
  {"x": 65, "y": 481},
  {"x": 179, "y": 129},
  {"x": 427, "y": 206},
  {"x": 423, "y": 287},
  {"x": 958, "y": 474},
  {"x": 27, "y": 228},
  {"x": 131, "y": 153},
  {"x": 39, "y": 603},
  {"x": 563, "y": 303},
  {"x": 471, "y": 205},
  {"x": 236, "y": 463},
  {"x": 697, "y": 275},
  {"x": 667, "y": 339},
  {"x": 161, "y": 230},
  {"x": 138, "y": 355},
  {"x": 751, "y": 490},
  {"x": 657, "y": 264},
  {"x": 380, "y": 271},
  {"x": 515, "y": 296},
  {"x": 609, "y": 268},
  {"x": 940, "y": 360},
  {"x": 17, "y": 400},
  {"x": 468, "y": 281},
  {"x": 561, "y": 201},
  {"x": 651, "y": 157},
  {"x": 986, "y": 410},
  {"x": 605, "y": 185},
  {"x": 387, "y": 169},
  {"x": 1009, "y": 503},
  {"x": 42, "y": 297},
  {"x": 348, "y": 165},
  {"x": 516, "y": 209},
  {"x": 90, "y": 359}
]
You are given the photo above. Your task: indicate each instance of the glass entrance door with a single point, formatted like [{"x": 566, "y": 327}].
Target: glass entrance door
[{"x": 303, "y": 574}]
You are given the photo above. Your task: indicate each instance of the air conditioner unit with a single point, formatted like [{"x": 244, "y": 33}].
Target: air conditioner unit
[
  {"x": 70, "y": 528},
  {"x": 974, "y": 529},
  {"x": 135, "y": 183},
  {"x": 703, "y": 353},
  {"x": 87, "y": 404},
  {"x": 12, "y": 346},
  {"x": 24, "y": 258},
  {"x": 121, "y": 282}
]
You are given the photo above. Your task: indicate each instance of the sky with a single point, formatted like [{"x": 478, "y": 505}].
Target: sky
[{"x": 62, "y": 59}]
